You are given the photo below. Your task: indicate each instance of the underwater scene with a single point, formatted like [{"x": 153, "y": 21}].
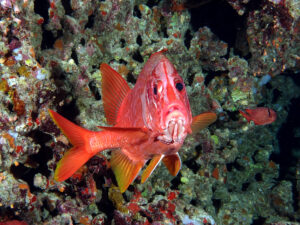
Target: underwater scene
[{"x": 140, "y": 112}]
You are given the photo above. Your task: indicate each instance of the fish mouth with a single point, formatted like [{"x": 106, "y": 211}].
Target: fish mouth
[{"x": 174, "y": 132}]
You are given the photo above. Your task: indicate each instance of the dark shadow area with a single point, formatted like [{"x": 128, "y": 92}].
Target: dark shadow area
[
  {"x": 67, "y": 6},
  {"x": 220, "y": 17},
  {"x": 131, "y": 78},
  {"x": 137, "y": 56},
  {"x": 259, "y": 221},
  {"x": 289, "y": 144},
  {"x": 37, "y": 163},
  {"x": 211, "y": 75},
  {"x": 94, "y": 90},
  {"x": 90, "y": 22},
  {"x": 41, "y": 7}
]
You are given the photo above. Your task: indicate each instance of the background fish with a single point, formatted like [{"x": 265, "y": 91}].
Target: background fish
[
  {"x": 151, "y": 121},
  {"x": 260, "y": 115}
]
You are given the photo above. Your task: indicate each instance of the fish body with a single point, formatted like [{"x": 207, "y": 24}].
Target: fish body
[
  {"x": 150, "y": 121},
  {"x": 260, "y": 115}
]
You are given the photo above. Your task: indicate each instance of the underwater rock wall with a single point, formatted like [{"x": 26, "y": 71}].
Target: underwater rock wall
[{"x": 232, "y": 172}]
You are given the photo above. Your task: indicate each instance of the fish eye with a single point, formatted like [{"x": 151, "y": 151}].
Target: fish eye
[
  {"x": 179, "y": 86},
  {"x": 155, "y": 90}
]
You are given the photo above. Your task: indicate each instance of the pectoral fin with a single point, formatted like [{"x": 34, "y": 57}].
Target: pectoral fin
[
  {"x": 173, "y": 163},
  {"x": 151, "y": 167},
  {"x": 203, "y": 120},
  {"x": 125, "y": 169}
]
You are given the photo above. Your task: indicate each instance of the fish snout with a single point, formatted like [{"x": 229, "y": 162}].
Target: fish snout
[{"x": 172, "y": 109}]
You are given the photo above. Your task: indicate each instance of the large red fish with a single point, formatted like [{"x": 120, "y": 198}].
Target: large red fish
[{"x": 149, "y": 121}]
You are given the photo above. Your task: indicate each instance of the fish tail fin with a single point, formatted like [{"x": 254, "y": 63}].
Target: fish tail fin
[
  {"x": 81, "y": 151},
  {"x": 72, "y": 160}
]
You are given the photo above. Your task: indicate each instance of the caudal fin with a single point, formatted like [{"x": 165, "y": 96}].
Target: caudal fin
[{"x": 79, "y": 154}]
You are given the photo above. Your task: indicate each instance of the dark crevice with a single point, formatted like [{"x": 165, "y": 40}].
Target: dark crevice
[
  {"x": 258, "y": 177},
  {"x": 234, "y": 165},
  {"x": 131, "y": 78},
  {"x": 106, "y": 206},
  {"x": 123, "y": 43},
  {"x": 90, "y": 23},
  {"x": 259, "y": 221},
  {"x": 41, "y": 8},
  {"x": 191, "y": 79},
  {"x": 47, "y": 205},
  {"x": 233, "y": 115},
  {"x": 151, "y": 3},
  {"x": 137, "y": 56},
  {"x": 67, "y": 6},
  {"x": 82, "y": 41},
  {"x": 146, "y": 215},
  {"x": 276, "y": 95},
  {"x": 38, "y": 162},
  {"x": 69, "y": 111},
  {"x": 34, "y": 115},
  {"x": 139, "y": 40},
  {"x": 122, "y": 61},
  {"x": 217, "y": 204},
  {"x": 74, "y": 56},
  {"x": 245, "y": 186},
  {"x": 295, "y": 76},
  {"x": 26, "y": 174},
  {"x": 48, "y": 39},
  {"x": 187, "y": 39},
  {"x": 136, "y": 12},
  {"x": 176, "y": 182},
  {"x": 94, "y": 90},
  {"x": 163, "y": 29},
  {"x": 220, "y": 17},
  {"x": 289, "y": 145},
  {"x": 211, "y": 75},
  {"x": 192, "y": 164}
]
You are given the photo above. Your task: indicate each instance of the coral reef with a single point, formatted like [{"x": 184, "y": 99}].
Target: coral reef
[{"x": 234, "y": 172}]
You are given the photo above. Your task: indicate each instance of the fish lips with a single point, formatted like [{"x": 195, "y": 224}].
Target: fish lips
[{"x": 175, "y": 131}]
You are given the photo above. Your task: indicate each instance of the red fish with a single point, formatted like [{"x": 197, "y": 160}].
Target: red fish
[
  {"x": 260, "y": 115},
  {"x": 149, "y": 121}
]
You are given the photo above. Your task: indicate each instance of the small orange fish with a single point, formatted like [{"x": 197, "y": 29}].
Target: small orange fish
[
  {"x": 150, "y": 121},
  {"x": 260, "y": 115}
]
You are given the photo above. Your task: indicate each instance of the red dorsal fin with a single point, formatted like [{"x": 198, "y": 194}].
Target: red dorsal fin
[
  {"x": 124, "y": 168},
  {"x": 114, "y": 90},
  {"x": 173, "y": 163},
  {"x": 203, "y": 120},
  {"x": 151, "y": 167}
]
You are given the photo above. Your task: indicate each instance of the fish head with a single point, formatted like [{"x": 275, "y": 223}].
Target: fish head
[{"x": 166, "y": 108}]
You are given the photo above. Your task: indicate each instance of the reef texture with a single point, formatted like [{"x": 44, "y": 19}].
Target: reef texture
[{"x": 50, "y": 52}]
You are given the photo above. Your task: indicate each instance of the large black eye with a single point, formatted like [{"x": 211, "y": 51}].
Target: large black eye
[
  {"x": 179, "y": 86},
  {"x": 155, "y": 90}
]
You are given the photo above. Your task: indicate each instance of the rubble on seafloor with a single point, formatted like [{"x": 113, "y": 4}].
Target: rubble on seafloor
[{"x": 233, "y": 172}]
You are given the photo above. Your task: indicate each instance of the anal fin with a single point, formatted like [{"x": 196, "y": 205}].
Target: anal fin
[
  {"x": 173, "y": 163},
  {"x": 151, "y": 167},
  {"x": 125, "y": 169}
]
